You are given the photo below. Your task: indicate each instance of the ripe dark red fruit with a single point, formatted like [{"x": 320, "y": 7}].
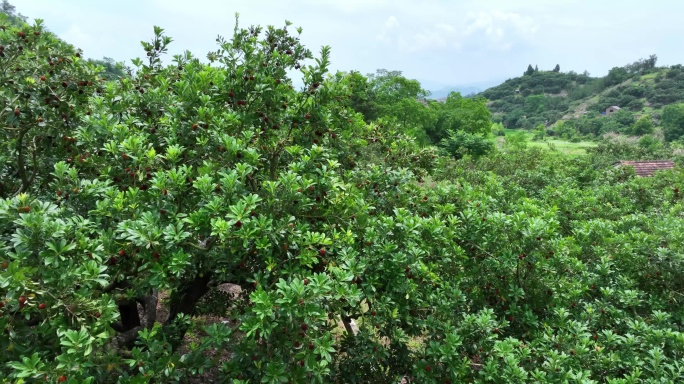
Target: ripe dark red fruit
[
  {"x": 41, "y": 306},
  {"x": 307, "y": 116},
  {"x": 21, "y": 34},
  {"x": 194, "y": 127},
  {"x": 122, "y": 253},
  {"x": 17, "y": 112},
  {"x": 22, "y": 300},
  {"x": 238, "y": 224},
  {"x": 65, "y": 84},
  {"x": 304, "y": 327},
  {"x": 306, "y": 281},
  {"x": 373, "y": 313},
  {"x": 62, "y": 379},
  {"x": 322, "y": 252},
  {"x": 4, "y": 265},
  {"x": 427, "y": 368}
]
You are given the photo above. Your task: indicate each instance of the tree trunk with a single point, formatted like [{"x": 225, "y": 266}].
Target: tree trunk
[{"x": 184, "y": 301}]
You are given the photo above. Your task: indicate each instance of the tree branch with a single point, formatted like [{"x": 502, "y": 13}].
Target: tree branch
[{"x": 21, "y": 166}]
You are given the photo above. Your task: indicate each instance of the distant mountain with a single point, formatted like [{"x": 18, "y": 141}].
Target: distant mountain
[{"x": 464, "y": 89}]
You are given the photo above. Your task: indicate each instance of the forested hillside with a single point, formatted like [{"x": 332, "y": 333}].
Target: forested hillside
[
  {"x": 546, "y": 97},
  {"x": 188, "y": 220}
]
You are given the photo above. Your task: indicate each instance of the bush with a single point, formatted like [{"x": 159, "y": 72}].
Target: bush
[
  {"x": 512, "y": 267},
  {"x": 461, "y": 143}
]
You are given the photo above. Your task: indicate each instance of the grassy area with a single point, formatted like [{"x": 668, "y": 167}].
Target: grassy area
[{"x": 554, "y": 144}]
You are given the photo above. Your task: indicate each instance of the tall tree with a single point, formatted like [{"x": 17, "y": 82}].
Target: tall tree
[
  {"x": 529, "y": 71},
  {"x": 402, "y": 100},
  {"x": 460, "y": 113},
  {"x": 556, "y": 68},
  {"x": 11, "y": 12},
  {"x": 673, "y": 121}
]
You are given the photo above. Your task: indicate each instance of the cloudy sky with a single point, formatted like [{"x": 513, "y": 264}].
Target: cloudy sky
[{"x": 439, "y": 42}]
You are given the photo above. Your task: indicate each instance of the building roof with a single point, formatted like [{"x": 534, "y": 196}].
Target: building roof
[
  {"x": 647, "y": 167},
  {"x": 614, "y": 107}
]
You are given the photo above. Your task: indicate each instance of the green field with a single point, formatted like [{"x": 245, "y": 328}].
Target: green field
[{"x": 553, "y": 144}]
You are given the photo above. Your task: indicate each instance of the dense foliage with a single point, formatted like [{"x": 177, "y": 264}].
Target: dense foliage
[{"x": 496, "y": 267}]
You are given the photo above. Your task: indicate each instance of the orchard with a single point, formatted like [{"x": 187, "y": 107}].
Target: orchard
[{"x": 126, "y": 205}]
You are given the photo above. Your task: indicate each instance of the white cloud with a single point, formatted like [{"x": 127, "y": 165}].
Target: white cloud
[
  {"x": 390, "y": 24},
  {"x": 489, "y": 30},
  {"x": 500, "y": 28},
  {"x": 446, "y": 42}
]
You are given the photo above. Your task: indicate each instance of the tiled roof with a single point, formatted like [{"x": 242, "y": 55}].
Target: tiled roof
[{"x": 647, "y": 167}]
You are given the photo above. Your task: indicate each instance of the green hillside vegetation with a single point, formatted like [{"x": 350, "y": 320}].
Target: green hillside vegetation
[
  {"x": 529, "y": 139},
  {"x": 640, "y": 89},
  {"x": 188, "y": 221}
]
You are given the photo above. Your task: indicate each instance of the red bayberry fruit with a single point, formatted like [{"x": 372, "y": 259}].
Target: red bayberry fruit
[
  {"x": 17, "y": 112},
  {"x": 238, "y": 224},
  {"x": 122, "y": 253},
  {"x": 22, "y": 300},
  {"x": 62, "y": 379},
  {"x": 306, "y": 281},
  {"x": 41, "y": 306},
  {"x": 322, "y": 252},
  {"x": 427, "y": 368},
  {"x": 304, "y": 327}
]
